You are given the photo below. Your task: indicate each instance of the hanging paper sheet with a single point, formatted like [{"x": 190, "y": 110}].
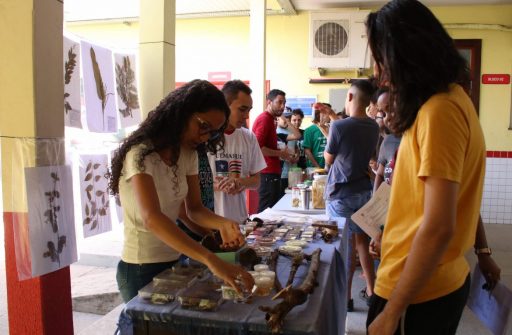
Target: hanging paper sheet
[
  {"x": 44, "y": 230},
  {"x": 94, "y": 195},
  {"x": 99, "y": 88},
  {"x": 127, "y": 91},
  {"x": 51, "y": 218},
  {"x": 72, "y": 101}
]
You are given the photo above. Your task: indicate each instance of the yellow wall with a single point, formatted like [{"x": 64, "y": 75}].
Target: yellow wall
[
  {"x": 495, "y": 100},
  {"x": 16, "y": 86},
  {"x": 221, "y": 44}
]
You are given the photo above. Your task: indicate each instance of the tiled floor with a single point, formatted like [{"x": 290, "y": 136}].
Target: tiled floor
[{"x": 498, "y": 237}]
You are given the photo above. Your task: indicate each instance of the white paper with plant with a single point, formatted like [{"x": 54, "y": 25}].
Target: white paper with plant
[
  {"x": 127, "y": 90},
  {"x": 51, "y": 218},
  {"x": 96, "y": 218},
  {"x": 99, "y": 88},
  {"x": 72, "y": 101}
]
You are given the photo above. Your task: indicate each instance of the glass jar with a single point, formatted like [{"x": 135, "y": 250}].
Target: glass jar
[
  {"x": 318, "y": 188},
  {"x": 295, "y": 196}
]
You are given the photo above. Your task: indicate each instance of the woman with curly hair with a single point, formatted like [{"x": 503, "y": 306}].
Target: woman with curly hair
[
  {"x": 154, "y": 171},
  {"x": 423, "y": 280}
]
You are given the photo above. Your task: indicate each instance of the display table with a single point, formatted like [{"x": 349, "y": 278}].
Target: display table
[{"x": 323, "y": 313}]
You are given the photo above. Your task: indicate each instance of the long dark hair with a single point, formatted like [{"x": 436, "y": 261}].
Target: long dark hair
[
  {"x": 415, "y": 55},
  {"x": 164, "y": 126}
]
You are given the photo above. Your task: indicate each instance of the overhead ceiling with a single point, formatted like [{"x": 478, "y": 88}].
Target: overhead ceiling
[{"x": 78, "y": 10}]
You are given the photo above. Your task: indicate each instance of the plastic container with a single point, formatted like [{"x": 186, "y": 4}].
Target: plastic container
[
  {"x": 318, "y": 189},
  {"x": 260, "y": 267},
  {"x": 264, "y": 285},
  {"x": 160, "y": 293},
  {"x": 202, "y": 296}
]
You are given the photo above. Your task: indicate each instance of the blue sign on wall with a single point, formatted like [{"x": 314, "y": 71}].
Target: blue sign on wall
[{"x": 303, "y": 102}]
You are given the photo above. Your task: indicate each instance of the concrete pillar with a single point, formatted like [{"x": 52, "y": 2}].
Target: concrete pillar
[
  {"x": 156, "y": 51},
  {"x": 258, "y": 23},
  {"x": 31, "y": 105}
]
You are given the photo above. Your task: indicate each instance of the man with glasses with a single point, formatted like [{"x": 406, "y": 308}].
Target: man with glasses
[
  {"x": 237, "y": 167},
  {"x": 265, "y": 130}
]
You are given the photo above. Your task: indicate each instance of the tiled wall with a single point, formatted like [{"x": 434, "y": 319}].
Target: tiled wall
[{"x": 497, "y": 198}]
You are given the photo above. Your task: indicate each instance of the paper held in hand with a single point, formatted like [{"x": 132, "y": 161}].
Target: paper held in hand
[{"x": 372, "y": 216}]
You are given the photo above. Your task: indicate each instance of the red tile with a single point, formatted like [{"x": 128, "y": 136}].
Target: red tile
[
  {"x": 488, "y": 154},
  {"x": 503, "y": 154},
  {"x": 510, "y": 154}
]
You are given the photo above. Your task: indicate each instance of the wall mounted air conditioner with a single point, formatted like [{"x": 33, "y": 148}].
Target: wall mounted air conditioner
[{"x": 337, "y": 40}]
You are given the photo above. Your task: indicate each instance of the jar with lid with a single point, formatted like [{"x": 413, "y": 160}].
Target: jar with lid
[{"x": 318, "y": 189}]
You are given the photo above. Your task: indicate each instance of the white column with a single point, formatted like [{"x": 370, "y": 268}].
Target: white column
[
  {"x": 157, "y": 42},
  {"x": 257, "y": 47}
]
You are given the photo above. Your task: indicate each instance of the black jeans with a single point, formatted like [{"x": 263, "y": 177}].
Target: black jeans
[
  {"x": 269, "y": 191},
  {"x": 132, "y": 277},
  {"x": 440, "y": 316}
]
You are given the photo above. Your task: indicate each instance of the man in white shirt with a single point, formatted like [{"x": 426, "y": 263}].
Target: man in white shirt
[{"x": 237, "y": 167}]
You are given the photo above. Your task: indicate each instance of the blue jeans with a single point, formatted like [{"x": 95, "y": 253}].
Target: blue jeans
[
  {"x": 132, "y": 277},
  {"x": 347, "y": 206}
]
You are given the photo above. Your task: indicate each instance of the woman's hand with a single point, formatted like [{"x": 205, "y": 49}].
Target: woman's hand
[
  {"x": 231, "y": 235},
  {"x": 233, "y": 275}
]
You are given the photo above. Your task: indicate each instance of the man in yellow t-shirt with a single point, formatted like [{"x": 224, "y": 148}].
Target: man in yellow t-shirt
[{"x": 423, "y": 280}]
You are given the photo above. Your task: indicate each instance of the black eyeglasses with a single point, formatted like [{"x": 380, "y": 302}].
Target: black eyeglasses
[{"x": 206, "y": 128}]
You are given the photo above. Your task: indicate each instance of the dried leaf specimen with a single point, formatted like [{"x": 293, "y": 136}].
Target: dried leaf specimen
[
  {"x": 51, "y": 218},
  {"x": 97, "y": 200},
  {"x": 101, "y": 88},
  {"x": 126, "y": 87},
  {"x": 69, "y": 66}
]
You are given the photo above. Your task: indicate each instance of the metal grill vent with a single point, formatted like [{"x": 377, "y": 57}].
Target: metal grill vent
[{"x": 331, "y": 38}]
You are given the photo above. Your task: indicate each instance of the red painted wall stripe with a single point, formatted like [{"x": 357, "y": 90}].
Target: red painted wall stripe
[
  {"x": 39, "y": 305},
  {"x": 499, "y": 154}
]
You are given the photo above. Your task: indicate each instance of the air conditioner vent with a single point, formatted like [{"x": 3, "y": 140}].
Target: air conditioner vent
[
  {"x": 337, "y": 40},
  {"x": 331, "y": 38}
]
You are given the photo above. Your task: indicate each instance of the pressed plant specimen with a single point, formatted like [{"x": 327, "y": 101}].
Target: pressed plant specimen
[
  {"x": 101, "y": 88},
  {"x": 69, "y": 67},
  {"x": 51, "y": 218},
  {"x": 126, "y": 87},
  {"x": 97, "y": 200}
]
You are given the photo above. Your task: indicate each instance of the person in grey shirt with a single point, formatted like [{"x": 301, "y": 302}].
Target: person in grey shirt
[{"x": 350, "y": 146}]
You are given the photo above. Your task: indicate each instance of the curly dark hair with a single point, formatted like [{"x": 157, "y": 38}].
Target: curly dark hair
[
  {"x": 415, "y": 55},
  {"x": 164, "y": 126}
]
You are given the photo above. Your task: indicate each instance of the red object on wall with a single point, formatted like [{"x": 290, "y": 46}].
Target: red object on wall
[
  {"x": 39, "y": 305},
  {"x": 496, "y": 79}
]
